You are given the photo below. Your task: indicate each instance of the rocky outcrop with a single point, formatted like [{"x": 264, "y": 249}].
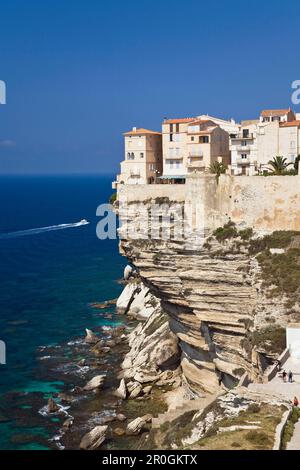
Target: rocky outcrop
[
  {"x": 121, "y": 391},
  {"x": 95, "y": 383},
  {"x": 91, "y": 337},
  {"x": 135, "y": 426},
  {"x": 93, "y": 439}
]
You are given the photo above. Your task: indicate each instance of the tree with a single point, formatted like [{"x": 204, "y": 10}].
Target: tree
[
  {"x": 217, "y": 168},
  {"x": 278, "y": 165}
]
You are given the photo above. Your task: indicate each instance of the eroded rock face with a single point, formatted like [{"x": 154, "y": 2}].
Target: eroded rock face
[
  {"x": 211, "y": 297},
  {"x": 206, "y": 306},
  {"x": 93, "y": 439},
  {"x": 153, "y": 350}
]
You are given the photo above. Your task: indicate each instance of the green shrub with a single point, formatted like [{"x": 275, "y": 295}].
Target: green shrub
[
  {"x": 290, "y": 427},
  {"x": 228, "y": 231},
  {"x": 113, "y": 198},
  {"x": 258, "y": 438},
  {"x": 271, "y": 338},
  {"x": 253, "y": 408}
]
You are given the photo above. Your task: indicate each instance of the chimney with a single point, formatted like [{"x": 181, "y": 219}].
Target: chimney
[{"x": 134, "y": 129}]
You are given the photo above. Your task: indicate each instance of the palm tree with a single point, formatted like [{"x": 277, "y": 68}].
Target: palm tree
[
  {"x": 278, "y": 165},
  {"x": 217, "y": 168}
]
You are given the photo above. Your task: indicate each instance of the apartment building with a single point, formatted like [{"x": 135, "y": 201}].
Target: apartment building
[
  {"x": 275, "y": 133},
  {"x": 230, "y": 126},
  {"x": 142, "y": 162},
  {"x": 192, "y": 145}
]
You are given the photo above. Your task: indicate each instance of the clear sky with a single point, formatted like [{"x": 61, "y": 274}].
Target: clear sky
[{"x": 79, "y": 73}]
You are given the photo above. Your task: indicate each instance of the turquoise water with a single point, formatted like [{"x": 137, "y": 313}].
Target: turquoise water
[{"x": 47, "y": 282}]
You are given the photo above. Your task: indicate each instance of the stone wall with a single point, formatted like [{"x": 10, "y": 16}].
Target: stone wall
[{"x": 264, "y": 203}]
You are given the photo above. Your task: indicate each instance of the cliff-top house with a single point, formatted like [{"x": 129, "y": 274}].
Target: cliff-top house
[
  {"x": 276, "y": 132},
  {"x": 142, "y": 162},
  {"x": 192, "y": 145}
]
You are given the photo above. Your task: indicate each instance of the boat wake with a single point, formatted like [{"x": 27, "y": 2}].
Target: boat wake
[{"x": 35, "y": 231}]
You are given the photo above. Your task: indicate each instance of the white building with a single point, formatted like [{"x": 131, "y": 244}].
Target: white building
[{"x": 276, "y": 133}]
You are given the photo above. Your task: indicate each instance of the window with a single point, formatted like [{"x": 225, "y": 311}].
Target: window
[
  {"x": 245, "y": 133},
  {"x": 132, "y": 156},
  {"x": 244, "y": 143},
  {"x": 142, "y": 154},
  {"x": 244, "y": 156},
  {"x": 192, "y": 138},
  {"x": 171, "y": 137},
  {"x": 171, "y": 128},
  {"x": 128, "y": 155},
  {"x": 204, "y": 139},
  {"x": 177, "y": 127}
]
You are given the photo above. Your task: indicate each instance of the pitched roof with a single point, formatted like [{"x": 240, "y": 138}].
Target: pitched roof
[
  {"x": 295, "y": 123},
  {"x": 141, "y": 131},
  {"x": 178, "y": 121},
  {"x": 203, "y": 121},
  {"x": 274, "y": 112}
]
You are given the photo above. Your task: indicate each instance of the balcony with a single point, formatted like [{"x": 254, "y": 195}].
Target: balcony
[
  {"x": 240, "y": 136},
  {"x": 135, "y": 173},
  {"x": 196, "y": 153},
  {"x": 243, "y": 148},
  {"x": 195, "y": 164},
  {"x": 173, "y": 157}
]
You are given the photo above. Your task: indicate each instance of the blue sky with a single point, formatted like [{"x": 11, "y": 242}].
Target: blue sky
[{"x": 79, "y": 73}]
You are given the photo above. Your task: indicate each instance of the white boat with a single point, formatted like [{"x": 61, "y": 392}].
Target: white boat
[{"x": 83, "y": 222}]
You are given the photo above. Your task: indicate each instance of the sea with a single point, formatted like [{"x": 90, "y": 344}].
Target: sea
[{"x": 52, "y": 270}]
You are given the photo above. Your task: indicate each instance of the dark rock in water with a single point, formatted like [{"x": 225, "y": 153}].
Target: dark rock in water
[
  {"x": 93, "y": 439},
  {"x": 52, "y": 406},
  {"x": 95, "y": 383},
  {"x": 103, "y": 305},
  {"x": 68, "y": 423},
  {"x": 91, "y": 338},
  {"x": 119, "y": 431},
  {"x": 65, "y": 397}
]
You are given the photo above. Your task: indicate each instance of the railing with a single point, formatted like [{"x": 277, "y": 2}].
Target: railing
[
  {"x": 196, "y": 164},
  {"x": 240, "y": 136},
  {"x": 196, "y": 153},
  {"x": 135, "y": 173},
  {"x": 243, "y": 148}
]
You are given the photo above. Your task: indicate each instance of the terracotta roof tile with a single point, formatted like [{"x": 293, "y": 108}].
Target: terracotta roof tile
[
  {"x": 141, "y": 131},
  {"x": 274, "y": 112},
  {"x": 290, "y": 124},
  {"x": 178, "y": 121}
]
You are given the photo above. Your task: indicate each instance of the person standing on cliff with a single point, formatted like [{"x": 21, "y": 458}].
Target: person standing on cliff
[
  {"x": 295, "y": 402},
  {"x": 290, "y": 376},
  {"x": 284, "y": 376}
]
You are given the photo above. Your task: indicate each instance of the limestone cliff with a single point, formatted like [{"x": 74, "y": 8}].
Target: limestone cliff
[{"x": 216, "y": 303}]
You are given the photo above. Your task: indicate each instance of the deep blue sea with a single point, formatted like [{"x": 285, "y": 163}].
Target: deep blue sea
[{"x": 49, "y": 279}]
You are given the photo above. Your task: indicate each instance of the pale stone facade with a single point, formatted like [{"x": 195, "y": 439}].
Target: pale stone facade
[
  {"x": 192, "y": 145},
  {"x": 142, "y": 162},
  {"x": 276, "y": 133}
]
